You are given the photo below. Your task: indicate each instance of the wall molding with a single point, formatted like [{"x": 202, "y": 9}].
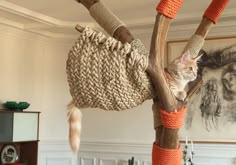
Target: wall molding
[
  {"x": 118, "y": 153},
  {"x": 26, "y": 35},
  {"x": 136, "y": 148},
  {"x": 45, "y": 25}
]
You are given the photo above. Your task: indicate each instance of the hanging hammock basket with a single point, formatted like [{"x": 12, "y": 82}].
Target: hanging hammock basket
[{"x": 104, "y": 73}]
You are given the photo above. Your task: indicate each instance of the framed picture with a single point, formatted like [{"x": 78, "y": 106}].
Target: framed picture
[
  {"x": 9, "y": 154},
  {"x": 211, "y": 115}
]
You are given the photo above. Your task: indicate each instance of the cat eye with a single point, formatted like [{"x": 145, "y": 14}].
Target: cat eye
[{"x": 191, "y": 68}]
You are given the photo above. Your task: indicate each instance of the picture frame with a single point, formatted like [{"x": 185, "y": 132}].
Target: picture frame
[
  {"x": 208, "y": 121},
  {"x": 9, "y": 154}
]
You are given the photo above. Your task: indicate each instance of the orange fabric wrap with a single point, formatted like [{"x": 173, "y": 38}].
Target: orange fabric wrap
[
  {"x": 162, "y": 156},
  {"x": 169, "y": 8},
  {"x": 215, "y": 9},
  {"x": 173, "y": 120}
]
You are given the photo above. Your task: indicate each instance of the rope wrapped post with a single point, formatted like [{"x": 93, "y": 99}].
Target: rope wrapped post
[
  {"x": 161, "y": 156},
  {"x": 156, "y": 72},
  {"x": 167, "y": 138},
  {"x": 107, "y": 20},
  {"x": 210, "y": 17},
  {"x": 215, "y": 9}
]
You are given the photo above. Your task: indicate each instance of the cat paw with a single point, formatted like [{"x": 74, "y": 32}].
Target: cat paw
[{"x": 181, "y": 95}]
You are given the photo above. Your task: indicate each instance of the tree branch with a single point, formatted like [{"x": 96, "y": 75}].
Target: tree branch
[
  {"x": 194, "y": 87},
  {"x": 166, "y": 138},
  {"x": 79, "y": 28},
  {"x": 87, "y": 3},
  {"x": 155, "y": 69},
  {"x": 204, "y": 27}
]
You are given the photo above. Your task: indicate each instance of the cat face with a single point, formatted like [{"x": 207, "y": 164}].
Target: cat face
[
  {"x": 188, "y": 66},
  {"x": 185, "y": 66}
]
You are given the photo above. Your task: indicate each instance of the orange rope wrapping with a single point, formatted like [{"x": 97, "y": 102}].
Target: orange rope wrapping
[
  {"x": 162, "y": 156},
  {"x": 215, "y": 9},
  {"x": 169, "y": 8},
  {"x": 173, "y": 120}
]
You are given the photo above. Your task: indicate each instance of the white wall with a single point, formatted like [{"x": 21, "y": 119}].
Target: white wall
[{"x": 32, "y": 69}]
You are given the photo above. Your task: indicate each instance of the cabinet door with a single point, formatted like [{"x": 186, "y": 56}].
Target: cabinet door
[
  {"x": 25, "y": 126},
  {"x": 6, "y": 127}
]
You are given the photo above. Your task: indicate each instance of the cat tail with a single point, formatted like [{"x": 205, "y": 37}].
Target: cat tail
[{"x": 75, "y": 124}]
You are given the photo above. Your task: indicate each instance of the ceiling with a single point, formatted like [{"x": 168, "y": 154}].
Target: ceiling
[{"x": 53, "y": 17}]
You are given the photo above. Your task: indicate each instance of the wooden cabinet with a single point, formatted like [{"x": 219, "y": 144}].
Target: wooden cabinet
[{"x": 19, "y": 132}]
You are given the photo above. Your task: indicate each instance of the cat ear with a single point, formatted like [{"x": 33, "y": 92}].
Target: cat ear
[
  {"x": 198, "y": 57},
  {"x": 185, "y": 57}
]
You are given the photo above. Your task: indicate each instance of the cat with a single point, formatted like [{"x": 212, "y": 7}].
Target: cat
[
  {"x": 180, "y": 72},
  {"x": 75, "y": 124}
]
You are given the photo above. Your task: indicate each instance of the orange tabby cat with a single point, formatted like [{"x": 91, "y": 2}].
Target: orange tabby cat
[{"x": 180, "y": 72}]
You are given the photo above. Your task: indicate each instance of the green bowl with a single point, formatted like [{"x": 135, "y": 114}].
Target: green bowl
[
  {"x": 12, "y": 105},
  {"x": 23, "y": 105}
]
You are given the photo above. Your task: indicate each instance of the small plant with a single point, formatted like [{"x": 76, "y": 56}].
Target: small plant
[{"x": 131, "y": 161}]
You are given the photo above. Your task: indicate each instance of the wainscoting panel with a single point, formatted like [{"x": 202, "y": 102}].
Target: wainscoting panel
[
  {"x": 118, "y": 153},
  {"x": 115, "y": 153},
  {"x": 107, "y": 162},
  {"x": 58, "y": 161},
  {"x": 87, "y": 161},
  {"x": 56, "y": 153}
]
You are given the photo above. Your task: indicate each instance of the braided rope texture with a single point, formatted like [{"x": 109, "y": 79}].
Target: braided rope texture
[
  {"x": 169, "y": 8},
  {"x": 104, "y": 73},
  {"x": 173, "y": 120},
  {"x": 162, "y": 156},
  {"x": 215, "y": 9}
]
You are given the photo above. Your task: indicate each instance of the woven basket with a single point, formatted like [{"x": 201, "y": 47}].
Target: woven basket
[{"x": 104, "y": 73}]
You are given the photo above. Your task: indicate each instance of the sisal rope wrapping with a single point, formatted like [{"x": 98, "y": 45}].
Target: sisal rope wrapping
[
  {"x": 194, "y": 45},
  {"x": 215, "y": 9},
  {"x": 169, "y": 8},
  {"x": 162, "y": 156},
  {"x": 105, "y": 18},
  {"x": 173, "y": 120},
  {"x": 104, "y": 73}
]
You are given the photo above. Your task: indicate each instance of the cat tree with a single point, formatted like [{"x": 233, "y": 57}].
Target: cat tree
[{"x": 168, "y": 112}]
